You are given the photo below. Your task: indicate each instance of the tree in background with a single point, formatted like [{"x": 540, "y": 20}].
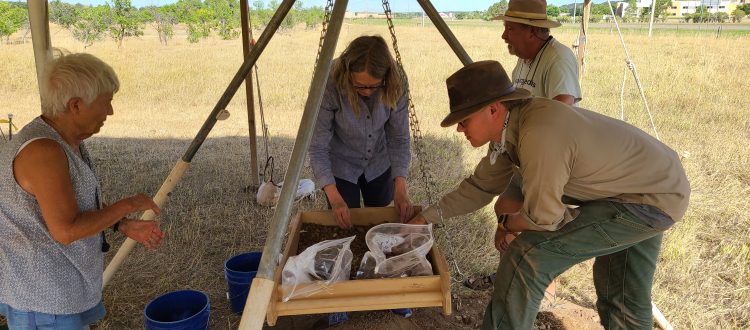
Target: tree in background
[
  {"x": 91, "y": 24},
  {"x": 553, "y": 10},
  {"x": 259, "y": 14},
  {"x": 603, "y": 8},
  {"x": 196, "y": 16},
  {"x": 313, "y": 16},
  {"x": 660, "y": 12},
  {"x": 226, "y": 17},
  {"x": 631, "y": 12},
  {"x": 293, "y": 17},
  {"x": 12, "y": 19},
  {"x": 162, "y": 19},
  {"x": 469, "y": 15},
  {"x": 63, "y": 14},
  {"x": 738, "y": 15},
  {"x": 124, "y": 21},
  {"x": 497, "y": 9}
]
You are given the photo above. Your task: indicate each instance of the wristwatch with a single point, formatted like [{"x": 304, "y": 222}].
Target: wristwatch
[{"x": 501, "y": 220}]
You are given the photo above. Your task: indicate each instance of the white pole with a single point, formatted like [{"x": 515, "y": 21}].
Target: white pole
[
  {"x": 651, "y": 21},
  {"x": 40, "y": 39},
  {"x": 661, "y": 321}
]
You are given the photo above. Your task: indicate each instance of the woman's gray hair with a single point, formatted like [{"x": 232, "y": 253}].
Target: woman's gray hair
[
  {"x": 68, "y": 76},
  {"x": 369, "y": 54}
]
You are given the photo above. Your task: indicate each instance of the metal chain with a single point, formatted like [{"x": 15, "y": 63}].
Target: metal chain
[
  {"x": 418, "y": 143},
  {"x": 417, "y": 137},
  {"x": 326, "y": 20}
]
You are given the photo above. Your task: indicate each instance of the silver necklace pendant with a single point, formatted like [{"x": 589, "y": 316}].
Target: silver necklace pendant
[{"x": 499, "y": 148}]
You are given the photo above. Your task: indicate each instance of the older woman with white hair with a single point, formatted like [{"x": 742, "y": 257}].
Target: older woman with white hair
[{"x": 52, "y": 216}]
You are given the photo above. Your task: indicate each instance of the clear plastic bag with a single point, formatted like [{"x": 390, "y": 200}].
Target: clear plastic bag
[
  {"x": 319, "y": 265},
  {"x": 397, "y": 250}
]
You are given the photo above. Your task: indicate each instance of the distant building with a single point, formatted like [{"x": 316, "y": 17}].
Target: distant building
[
  {"x": 447, "y": 16},
  {"x": 681, "y": 8},
  {"x": 366, "y": 14}
]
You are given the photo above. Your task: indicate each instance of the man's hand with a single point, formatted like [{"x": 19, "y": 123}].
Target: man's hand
[
  {"x": 144, "y": 232},
  {"x": 401, "y": 200},
  {"x": 505, "y": 205},
  {"x": 503, "y": 239}
]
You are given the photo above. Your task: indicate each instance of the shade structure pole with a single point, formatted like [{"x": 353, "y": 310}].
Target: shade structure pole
[
  {"x": 182, "y": 165},
  {"x": 40, "y": 39},
  {"x": 247, "y": 34},
  {"x": 581, "y": 42},
  {"x": 651, "y": 20},
  {"x": 434, "y": 16},
  {"x": 263, "y": 284}
]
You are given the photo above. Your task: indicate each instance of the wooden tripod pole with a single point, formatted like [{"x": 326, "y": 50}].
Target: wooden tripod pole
[{"x": 263, "y": 284}]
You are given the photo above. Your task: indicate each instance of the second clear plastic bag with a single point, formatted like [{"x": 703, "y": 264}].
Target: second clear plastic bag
[
  {"x": 319, "y": 265},
  {"x": 397, "y": 250}
]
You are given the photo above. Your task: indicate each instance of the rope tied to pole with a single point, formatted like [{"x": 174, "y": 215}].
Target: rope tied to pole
[{"x": 631, "y": 66}]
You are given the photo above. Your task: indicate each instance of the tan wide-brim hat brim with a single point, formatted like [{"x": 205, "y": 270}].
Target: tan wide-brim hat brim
[
  {"x": 545, "y": 23},
  {"x": 460, "y": 114}
]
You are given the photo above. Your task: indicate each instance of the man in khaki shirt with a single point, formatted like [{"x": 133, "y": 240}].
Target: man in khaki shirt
[
  {"x": 628, "y": 188},
  {"x": 546, "y": 68}
]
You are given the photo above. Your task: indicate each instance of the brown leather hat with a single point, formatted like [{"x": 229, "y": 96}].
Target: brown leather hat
[
  {"x": 475, "y": 86},
  {"x": 529, "y": 12}
]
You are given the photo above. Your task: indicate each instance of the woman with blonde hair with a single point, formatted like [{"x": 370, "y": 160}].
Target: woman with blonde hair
[
  {"x": 361, "y": 141},
  {"x": 361, "y": 144}
]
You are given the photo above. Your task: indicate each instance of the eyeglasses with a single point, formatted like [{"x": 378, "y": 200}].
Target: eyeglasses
[{"x": 364, "y": 88}]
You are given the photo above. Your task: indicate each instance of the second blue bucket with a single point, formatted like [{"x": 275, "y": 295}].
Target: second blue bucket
[
  {"x": 240, "y": 271},
  {"x": 178, "y": 310}
]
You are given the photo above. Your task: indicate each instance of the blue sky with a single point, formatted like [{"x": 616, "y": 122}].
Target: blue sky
[{"x": 359, "y": 5}]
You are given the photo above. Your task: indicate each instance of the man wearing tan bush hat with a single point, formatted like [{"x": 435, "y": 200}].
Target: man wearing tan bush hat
[
  {"x": 628, "y": 188},
  {"x": 545, "y": 67}
]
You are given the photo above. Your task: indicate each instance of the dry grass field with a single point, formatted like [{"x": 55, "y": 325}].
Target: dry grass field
[{"x": 696, "y": 85}]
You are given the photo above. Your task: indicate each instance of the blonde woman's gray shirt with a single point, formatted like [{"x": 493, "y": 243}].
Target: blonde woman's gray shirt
[{"x": 347, "y": 145}]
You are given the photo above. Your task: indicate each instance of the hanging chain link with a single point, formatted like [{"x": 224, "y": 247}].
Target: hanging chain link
[
  {"x": 324, "y": 29},
  {"x": 430, "y": 186},
  {"x": 417, "y": 138}
]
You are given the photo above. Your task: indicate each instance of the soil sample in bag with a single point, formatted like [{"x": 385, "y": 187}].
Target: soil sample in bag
[{"x": 311, "y": 234}]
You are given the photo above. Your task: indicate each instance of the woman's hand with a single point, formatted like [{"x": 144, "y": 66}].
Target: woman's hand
[
  {"x": 146, "y": 232},
  {"x": 338, "y": 206},
  {"x": 141, "y": 202},
  {"x": 401, "y": 200}
]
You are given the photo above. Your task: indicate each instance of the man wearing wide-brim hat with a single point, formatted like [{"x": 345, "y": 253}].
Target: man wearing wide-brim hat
[
  {"x": 545, "y": 67},
  {"x": 628, "y": 186}
]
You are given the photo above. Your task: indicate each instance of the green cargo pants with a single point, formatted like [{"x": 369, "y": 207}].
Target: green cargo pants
[{"x": 625, "y": 249}]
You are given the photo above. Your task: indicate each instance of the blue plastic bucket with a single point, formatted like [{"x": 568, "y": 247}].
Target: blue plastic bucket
[
  {"x": 178, "y": 310},
  {"x": 240, "y": 271}
]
